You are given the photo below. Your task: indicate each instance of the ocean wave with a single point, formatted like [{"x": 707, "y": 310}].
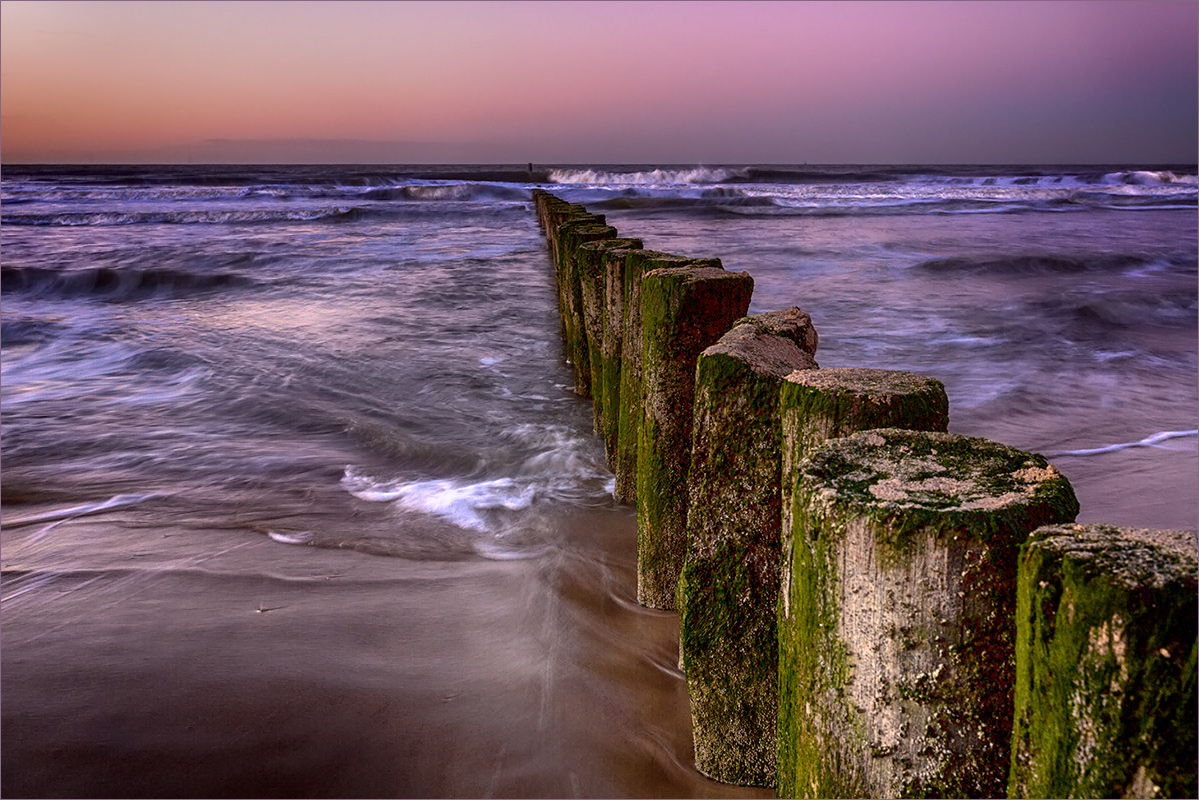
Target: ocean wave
[
  {"x": 1178, "y": 310},
  {"x": 463, "y": 192},
  {"x": 114, "y": 284},
  {"x": 1031, "y": 264},
  {"x": 19, "y": 330},
  {"x": 186, "y": 217},
  {"x": 1058, "y": 180},
  {"x": 1150, "y": 178},
  {"x": 550, "y": 463},
  {"x": 704, "y": 201},
  {"x": 654, "y": 177},
  {"x": 463, "y": 503}
]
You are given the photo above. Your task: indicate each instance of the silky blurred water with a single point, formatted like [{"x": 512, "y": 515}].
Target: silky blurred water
[{"x": 297, "y": 499}]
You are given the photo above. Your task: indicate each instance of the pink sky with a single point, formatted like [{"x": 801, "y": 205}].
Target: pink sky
[{"x": 671, "y": 82}]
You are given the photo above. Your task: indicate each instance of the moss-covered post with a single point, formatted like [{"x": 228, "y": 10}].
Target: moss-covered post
[
  {"x": 590, "y": 258},
  {"x": 817, "y": 406},
  {"x": 636, "y": 264},
  {"x": 728, "y": 589},
  {"x": 571, "y": 234},
  {"x": 1105, "y": 664},
  {"x": 543, "y": 201},
  {"x": 683, "y": 311},
  {"x": 728, "y": 619},
  {"x": 560, "y": 213},
  {"x": 558, "y": 218},
  {"x": 611, "y": 347},
  {"x": 897, "y": 613}
]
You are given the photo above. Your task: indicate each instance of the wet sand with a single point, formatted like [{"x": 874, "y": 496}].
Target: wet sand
[{"x": 212, "y": 662}]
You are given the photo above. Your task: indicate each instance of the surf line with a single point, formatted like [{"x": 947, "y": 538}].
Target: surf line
[
  {"x": 61, "y": 515},
  {"x": 1148, "y": 441}
]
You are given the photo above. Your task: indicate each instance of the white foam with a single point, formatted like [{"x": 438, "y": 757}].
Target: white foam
[
  {"x": 561, "y": 467},
  {"x": 657, "y": 177},
  {"x": 290, "y": 537},
  {"x": 1148, "y": 441},
  {"x": 1149, "y": 178},
  {"x": 461, "y": 502}
]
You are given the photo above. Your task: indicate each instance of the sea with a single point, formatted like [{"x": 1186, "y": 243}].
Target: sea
[{"x": 297, "y": 499}]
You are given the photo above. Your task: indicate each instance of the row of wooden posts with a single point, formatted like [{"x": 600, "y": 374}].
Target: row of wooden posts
[{"x": 869, "y": 606}]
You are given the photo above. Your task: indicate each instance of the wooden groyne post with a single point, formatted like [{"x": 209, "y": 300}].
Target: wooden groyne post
[
  {"x": 631, "y": 405},
  {"x": 1105, "y": 664},
  {"x": 684, "y": 310},
  {"x": 594, "y": 259},
  {"x": 729, "y": 583},
  {"x": 754, "y": 424},
  {"x": 897, "y": 613}
]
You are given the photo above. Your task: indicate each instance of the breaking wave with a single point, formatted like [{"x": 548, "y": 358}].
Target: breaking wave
[
  {"x": 551, "y": 464},
  {"x": 656, "y": 177}
]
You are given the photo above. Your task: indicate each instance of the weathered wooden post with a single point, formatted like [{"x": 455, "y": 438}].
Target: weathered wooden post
[
  {"x": 897, "y": 613},
  {"x": 636, "y": 264},
  {"x": 1105, "y": 664},
  {"x": 543, "y": 201},
  {"x": 557, "y": 217},
  {"x": 591, "y": 258},
  {"x": 683, "y": 311},
  {"x": 571, "y": 234},
  {"x": 611, "y": 353},
  {"x": 823, "y": 405},
  {"x": 728, "y": 589},
  {"x": 728, "y": 637}
]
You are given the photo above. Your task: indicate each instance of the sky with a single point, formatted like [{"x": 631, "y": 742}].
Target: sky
[{"x": 1066, "y": 81}]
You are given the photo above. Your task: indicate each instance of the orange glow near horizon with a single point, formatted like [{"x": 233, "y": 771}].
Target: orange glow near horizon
[{"x": 595, "y": 82}]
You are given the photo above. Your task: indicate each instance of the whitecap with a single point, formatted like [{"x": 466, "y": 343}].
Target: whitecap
[
  {"x": 658, "y": 177},
  {"x": 548, "y": 463},
  {"x": 461, "y": 502}
]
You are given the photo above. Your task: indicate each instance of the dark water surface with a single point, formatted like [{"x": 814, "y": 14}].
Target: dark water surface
[{"x": 296, "y": 499}]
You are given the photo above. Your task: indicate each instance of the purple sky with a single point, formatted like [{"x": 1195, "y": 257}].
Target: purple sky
[{"x": 670, "y": 82}]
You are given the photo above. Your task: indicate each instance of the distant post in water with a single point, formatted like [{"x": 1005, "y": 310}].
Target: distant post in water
[
  {"x": 591, "y": 258},
  {"x": 1105, "y": 664},
  {"x": 683, "y": 311},
  {"x": 897, "y": 613},
  {"x": 571, "y": 235}
]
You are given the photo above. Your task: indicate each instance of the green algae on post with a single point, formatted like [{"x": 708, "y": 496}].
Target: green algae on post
[
  {"x": 897, "y": 612},
  {"x": 683, "y": 311},
  {"x": 572, "y": 234},
  {"x": 822, "y": 405},
  {"x": 636, "y": 264},
  {"x": 543, "y": 202},
  {"x": 558, "y": 219},
  {"x": 1105, "y": 702},
  {"x": 611, "y": 352},
  {"x": 728, "y": 589},
  {"x": 590, "y": 258}
]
